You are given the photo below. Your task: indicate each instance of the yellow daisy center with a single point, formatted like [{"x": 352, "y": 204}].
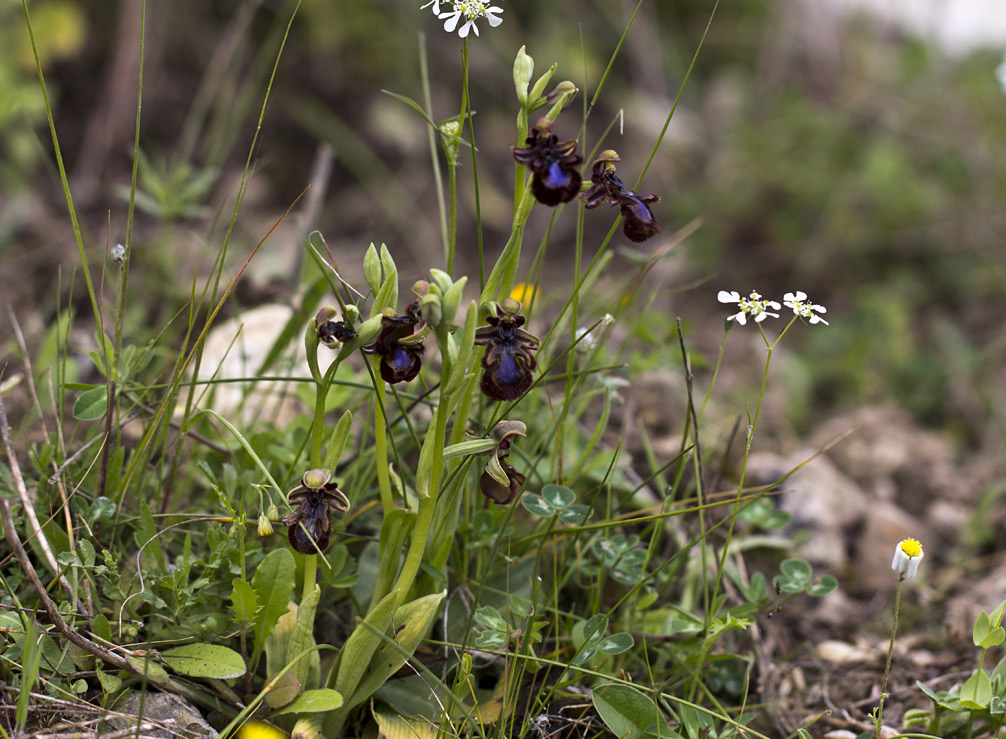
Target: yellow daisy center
[{"x": 911, "y": 547}]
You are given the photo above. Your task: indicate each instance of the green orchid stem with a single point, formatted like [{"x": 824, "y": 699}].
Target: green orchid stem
[
  {"x": 310, "y": 575},
  {"x": 427, "y": 505},
  {"x": 428, "y": 478},
  {"x": 318, "y": 429},
  {"x": 504, "y": 273},
  {"x": 890, "y": 655},
  {"x": 381, "y": 446}
]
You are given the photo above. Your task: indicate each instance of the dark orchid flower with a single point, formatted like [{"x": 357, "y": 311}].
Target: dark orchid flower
[
  {"x": 399, "y": 346},
  {"x": 639, "y": 223},
  {"x": 310, "y": 525},
  {"x": 509, "y": 364},
  {"x": 500, "y": 482},
  {"x": 552, "y": 162}
]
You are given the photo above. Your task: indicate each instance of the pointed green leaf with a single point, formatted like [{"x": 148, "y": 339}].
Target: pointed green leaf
[
  {"x": 205, "y": 660},
  {"x": 244, "y": 601},
  {"x": 91, "y": 404},
  {"x": 314, "y": 701},
  {"x": 627, "y": 712},
  {"x": 977, "y": 691}
]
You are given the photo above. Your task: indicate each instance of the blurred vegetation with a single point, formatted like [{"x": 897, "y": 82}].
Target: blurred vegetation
[{"x": 862, "y": 171}]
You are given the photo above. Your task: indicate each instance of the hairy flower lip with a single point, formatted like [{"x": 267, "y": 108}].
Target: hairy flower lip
[
  {"x": 554, "y": 164},
  {"x": 639, "y": 223},
  {"x": 399, "y": 345},
  {"x": 309, "y": 526},
  {"x": 509, "y": 363}
]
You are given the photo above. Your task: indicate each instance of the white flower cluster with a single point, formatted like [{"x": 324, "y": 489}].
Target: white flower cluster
[
  {"x": 467, "y": 10},
  {"x": 755, "y": 306}
]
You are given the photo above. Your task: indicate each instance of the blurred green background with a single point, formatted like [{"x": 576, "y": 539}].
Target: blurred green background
[{"x": 826, "y": 154}]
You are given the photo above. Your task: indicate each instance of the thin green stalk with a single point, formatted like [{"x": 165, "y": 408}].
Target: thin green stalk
[
  {"x": 890, "y": 656},
  {"x": 737, "y": 501},
  {"x": 438, "y": 178},
  {"x": 381, "y": 446},
  {"x": 427, "y": 504}
]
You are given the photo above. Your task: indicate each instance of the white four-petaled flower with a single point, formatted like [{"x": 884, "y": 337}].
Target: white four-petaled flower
[
  {"x": 753, "y": 305},
  {"x": 798, "y": 302},
  {"x": 469, "y": 11},
  {"x": 907, "y": 556}
]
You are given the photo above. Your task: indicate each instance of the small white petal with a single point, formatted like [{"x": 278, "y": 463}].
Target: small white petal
[
  {"x": 772, "y": 304},
  {"x": 797, "y": 296},
  {"x": 452, "y": 21},
  {"x": 728, "y": 297}
]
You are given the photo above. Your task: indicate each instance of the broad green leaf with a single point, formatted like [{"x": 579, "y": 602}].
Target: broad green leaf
[
  {"x": 273, "y": 582},
  {"x": 244, "y": 600},
  {"x": 412, "y": 622},
  {"x": 109, "y": 683},
  {"x": 616, "y": 643},
  {"x": 977, "y": 691},
  {"x": 575, "y": 515},
  {"x": 490, "y": 618},
  {"x": 996, "y": 617},
  {"x": 390, "y": 725},
  {"x": 356, "y": 654},
  {"x": 795, "y": 569},
  {"x": 85, "y": 550},
  {"x": 558, "y": 496},
  {"x": 585, "y": 654},
  {"x": 981, "y": 628},
  {"x": 91, "y": 404},
  {"x": 627, "y": 712},
  {"x": 205, "y": 660},
  {"x": 536, "y": 504},
  {"x": 147, "y": 666},
  {"x": 103, "y": 509},
  {"x": 788, "y": 586},
  {"x": 595, "y": 627},
  {"x": 314, "y": 701},
  {"x": 825, "y": 585},
  {"x": 102, "y": 628}
]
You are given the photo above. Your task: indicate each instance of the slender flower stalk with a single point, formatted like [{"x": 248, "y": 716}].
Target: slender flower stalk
[{"x": 907, "y": 556}]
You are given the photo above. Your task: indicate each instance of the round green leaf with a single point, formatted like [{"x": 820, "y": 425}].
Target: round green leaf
[
  {"x": 536, "y": 504},
  {"x": 595, "y": 627},
  {"x": 795, "y": 569},
  {"x": 91, "y": 404},
  {"x": 575, "y": 515},
  {"x": 205, "y": 660},
  {"x": 558, "y": 496},
  {"x": 788, "y": 586},
  {"x": 823, "y": 586},
  {"x": 314, "y": 701},
  {"x": 616, "y": 643}
]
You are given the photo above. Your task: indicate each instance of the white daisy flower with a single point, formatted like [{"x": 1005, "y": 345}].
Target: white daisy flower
[
  {"x": 798, "y": 302},
  {"x": 470, "y": 11},
  {"x": 907, "y": 556},
  {"x": 753, "y": 305}
]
